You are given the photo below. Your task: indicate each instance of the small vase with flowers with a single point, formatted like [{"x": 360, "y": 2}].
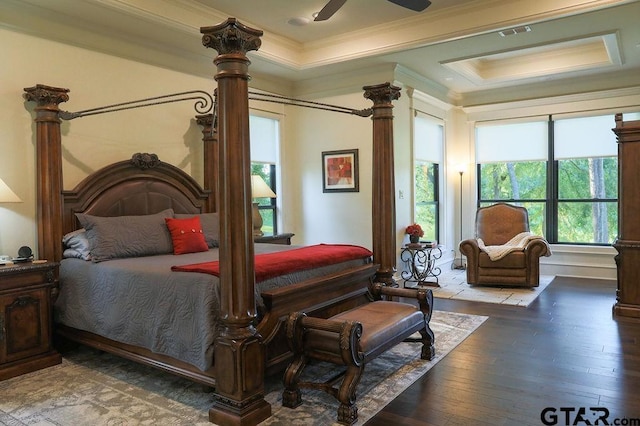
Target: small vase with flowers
[{"x": 415, "y": 232}]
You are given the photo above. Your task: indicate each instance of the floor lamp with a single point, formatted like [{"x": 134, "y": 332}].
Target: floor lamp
[{"x": 459, "y": 263}]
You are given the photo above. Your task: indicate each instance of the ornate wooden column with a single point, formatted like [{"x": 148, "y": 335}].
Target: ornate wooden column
[
  {"x": 210, "y": 145},
  {"x": 239, "y": 353},
  {"x": 48, "y": 164},
  {"x": 628, "y": 242},
  {"x": 384, "y": 204}
]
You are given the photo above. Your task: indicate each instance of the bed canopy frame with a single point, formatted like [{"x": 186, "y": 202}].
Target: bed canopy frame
[{"x": 239, "y": 392}]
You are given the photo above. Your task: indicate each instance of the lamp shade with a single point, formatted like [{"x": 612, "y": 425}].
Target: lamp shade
[
  {"x": 7, "y": 195},
  {"x": 260, "y": 189}
]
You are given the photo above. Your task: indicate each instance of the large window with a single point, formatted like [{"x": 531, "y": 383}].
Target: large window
[
  {"x": 587, "y": 169},
  {"x": 571, "y": 198},
  {"x": 512, "y": 167},
  {"x": 265, "y": 137},
  {"x": 428, "y": 143}
]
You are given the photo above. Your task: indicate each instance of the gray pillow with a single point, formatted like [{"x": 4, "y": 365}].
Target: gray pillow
[
  {"x": 127, "y": 236},
  {"x": 76, "y": 245},
  {"x": 210, "y": 226}
]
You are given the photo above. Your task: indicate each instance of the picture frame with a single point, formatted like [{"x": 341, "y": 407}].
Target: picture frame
[{"x": 340, "y": 171}]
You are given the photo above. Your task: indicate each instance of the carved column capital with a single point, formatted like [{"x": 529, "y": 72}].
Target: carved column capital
[
  {"x": 47, "y": 99},
  {"x": 46, "y": 95},
  {"x": 382, "y": 95},
  {"x": 231, "y": 37},
  {"x": 232, "y": 40}
]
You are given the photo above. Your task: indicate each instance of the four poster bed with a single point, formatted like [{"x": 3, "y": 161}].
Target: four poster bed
[{"x": 233, "y": 317}]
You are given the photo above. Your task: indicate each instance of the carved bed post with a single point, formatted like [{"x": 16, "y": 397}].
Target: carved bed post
[
  {"x": 210, "y": 141},
  {"x": 383, "y": 204},
  {"x": 48, "y": 167},
  {"x": 239, "y": 353}
]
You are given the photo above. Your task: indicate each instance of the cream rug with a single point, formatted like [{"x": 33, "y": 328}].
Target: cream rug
[
  {"x": 453, "y": 285},
  {"x": 94, "y": 388}
]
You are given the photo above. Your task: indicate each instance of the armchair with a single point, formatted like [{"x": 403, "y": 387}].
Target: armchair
[{"x": 497, "y": 225}]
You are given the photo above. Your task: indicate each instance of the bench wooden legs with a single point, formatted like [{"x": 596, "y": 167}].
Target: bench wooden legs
[
  {"x": 348, "y": 410},
  {"x": 346, "y": 394},
  {"x": 428, "y": 348},
  {"x": 291, "y": 396},
  {"x": 347, "y": 334}
]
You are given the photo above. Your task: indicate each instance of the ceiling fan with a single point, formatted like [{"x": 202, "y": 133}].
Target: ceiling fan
[{"x": 333, "y": 5}]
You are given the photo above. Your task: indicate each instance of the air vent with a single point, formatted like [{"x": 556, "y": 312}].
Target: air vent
[{"x": 516, "y": 30}]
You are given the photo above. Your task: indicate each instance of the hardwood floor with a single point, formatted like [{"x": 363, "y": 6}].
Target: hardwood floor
[{"x": 565, "y": 351}]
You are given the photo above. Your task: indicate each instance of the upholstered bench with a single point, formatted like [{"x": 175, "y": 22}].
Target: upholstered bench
[{"x": 353, "y": 338}]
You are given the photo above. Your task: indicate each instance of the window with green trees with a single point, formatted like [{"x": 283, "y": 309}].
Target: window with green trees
[
  {"x": 426, "y": 198},
  {"x": 428, "y": 154},
  {"x": 571, "y": 199},
  {"x": 586, "y": 155}
]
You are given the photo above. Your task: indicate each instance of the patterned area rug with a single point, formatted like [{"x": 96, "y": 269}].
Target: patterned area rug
[
  {"x": 453, "y": 285},
  {"x": 95, "y": 388}
]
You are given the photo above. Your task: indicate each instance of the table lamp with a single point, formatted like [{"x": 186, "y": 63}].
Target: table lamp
[
  {"x": 259, "y": 189},
  {"x": 7, "y": 196}
]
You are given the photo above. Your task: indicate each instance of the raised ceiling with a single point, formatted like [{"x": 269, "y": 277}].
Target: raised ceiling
[{"x": 453, "y": 50}]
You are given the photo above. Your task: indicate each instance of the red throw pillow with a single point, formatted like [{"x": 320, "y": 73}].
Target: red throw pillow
[{"x": 187, "y": 235}]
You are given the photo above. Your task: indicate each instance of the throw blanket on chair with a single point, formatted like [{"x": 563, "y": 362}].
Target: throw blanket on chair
[
  {"x": 519, "y": 242},
  {"x": 269, "y": 265}
]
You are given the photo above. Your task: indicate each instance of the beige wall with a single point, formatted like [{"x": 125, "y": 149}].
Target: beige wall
[{"x": 313, "y": 215}]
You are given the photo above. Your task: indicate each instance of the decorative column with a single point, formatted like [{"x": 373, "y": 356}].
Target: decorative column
[
  {"x": 628, "y": 242},
  {"x": 239, "y": 353},
  {"x": 384, "y": 205},
  {"x": 210, "y": 145},
  {"x": 48, "y": 168}
]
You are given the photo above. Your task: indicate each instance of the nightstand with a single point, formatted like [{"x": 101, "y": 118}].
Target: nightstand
[
  {"x": 275, "y": 239},
  {"x": 26, "y": 299}
]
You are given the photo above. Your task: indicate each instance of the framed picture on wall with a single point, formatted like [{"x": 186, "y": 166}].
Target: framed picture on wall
[{"x": 340, "y": 171}]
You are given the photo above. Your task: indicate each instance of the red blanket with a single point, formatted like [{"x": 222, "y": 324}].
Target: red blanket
[{"x": 271, "y": 265}]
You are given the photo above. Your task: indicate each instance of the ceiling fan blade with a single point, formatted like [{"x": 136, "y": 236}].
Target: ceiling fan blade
[
  {"x": 329, "y": 9},
  {"x": 416, "y": 5}
]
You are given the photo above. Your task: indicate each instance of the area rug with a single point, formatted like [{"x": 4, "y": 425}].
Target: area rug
[
  {"x": 95, "y": 388},
  {"x": 453, "y": 285}
]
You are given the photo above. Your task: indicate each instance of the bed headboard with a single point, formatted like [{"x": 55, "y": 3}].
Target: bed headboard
[{"x": 142, "y": 185}]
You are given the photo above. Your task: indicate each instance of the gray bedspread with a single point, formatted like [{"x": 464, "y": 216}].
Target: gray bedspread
[{"x": 140, "y": 301}]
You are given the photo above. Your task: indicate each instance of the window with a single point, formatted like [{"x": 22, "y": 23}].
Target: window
[
  {"x": 587, "y": 168},
  {"x": 512, "y": 167},
  {"x": 571, "y": 199},
  {"x": 265, "y": 137},
  {"x": 428, "y": 143}
]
